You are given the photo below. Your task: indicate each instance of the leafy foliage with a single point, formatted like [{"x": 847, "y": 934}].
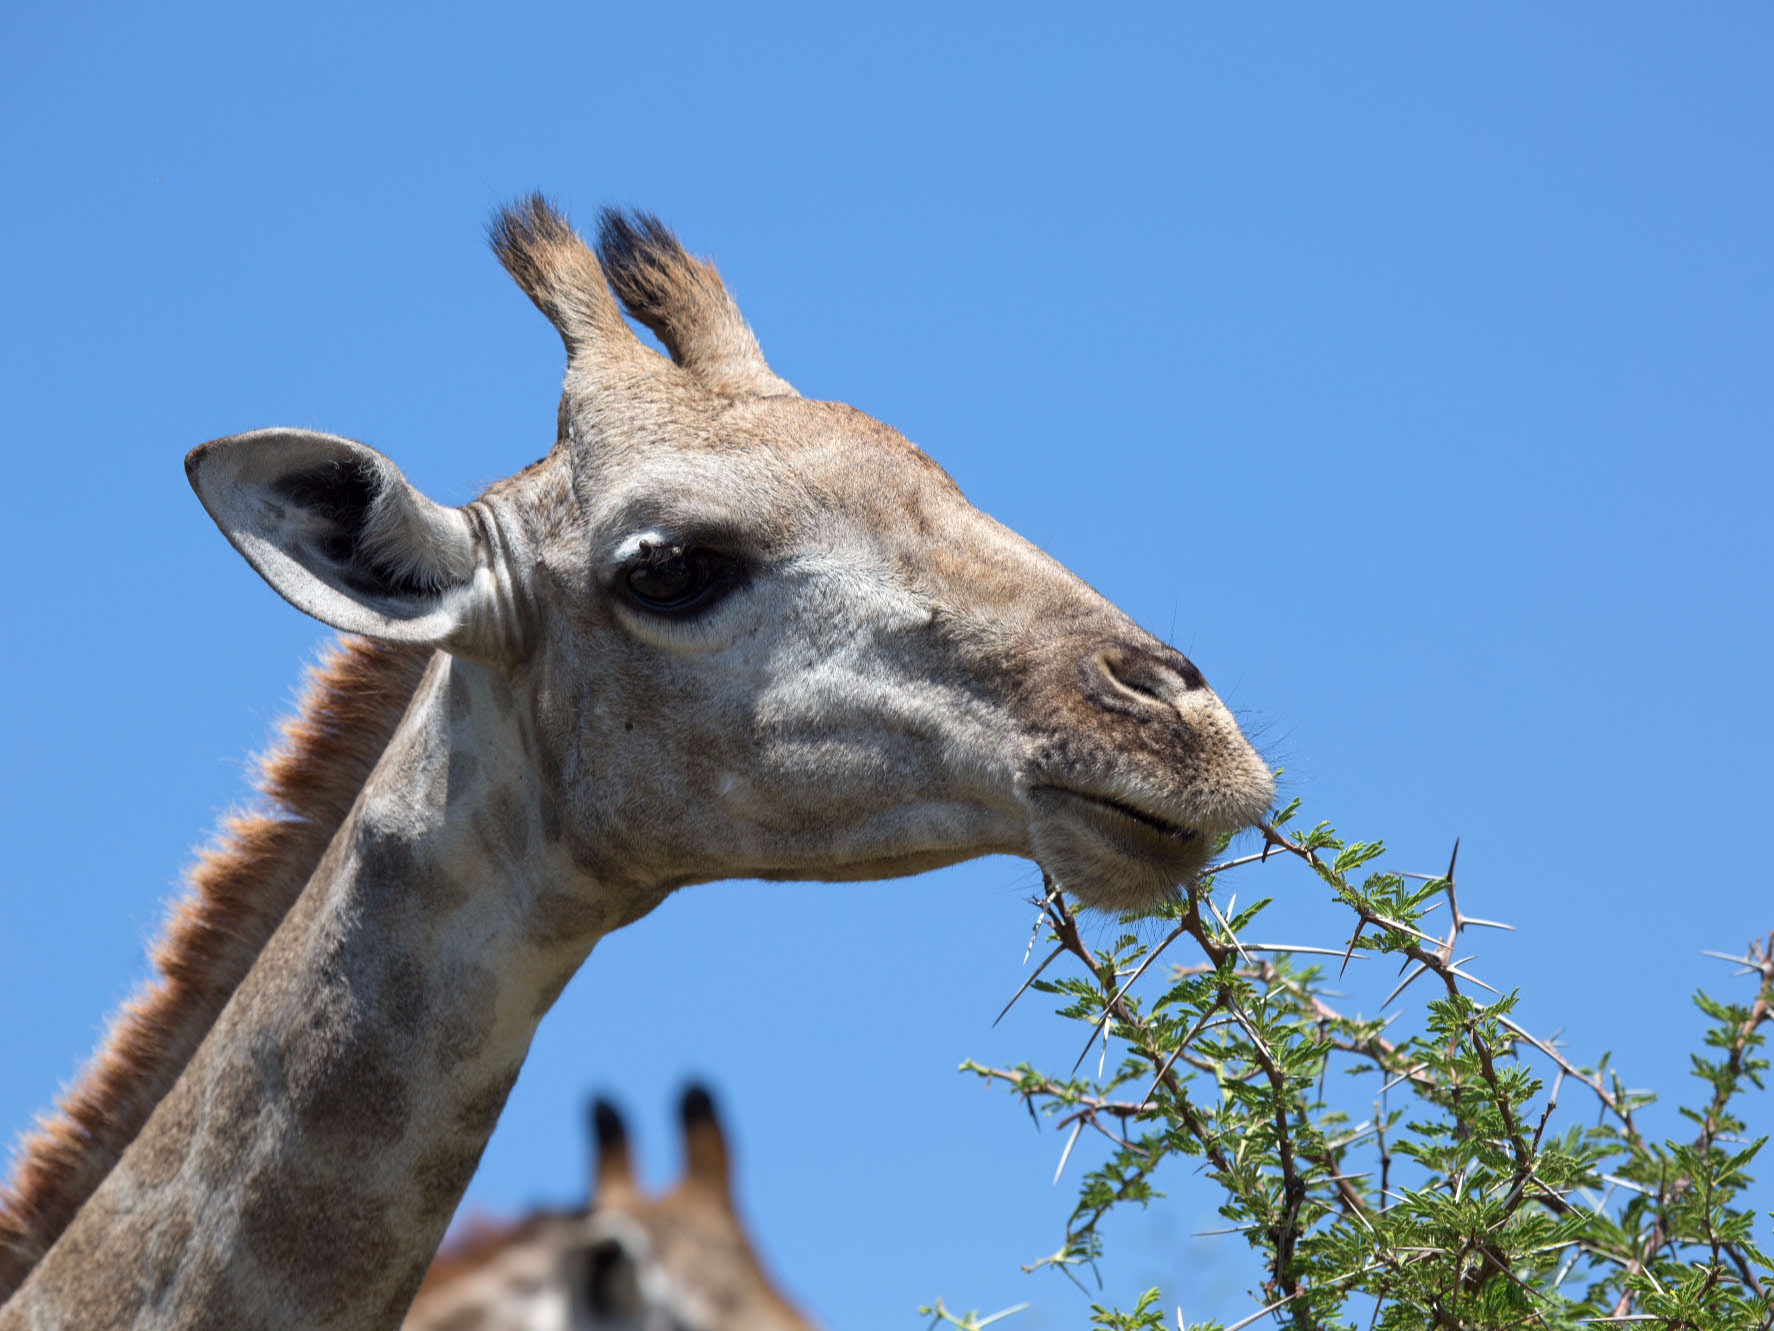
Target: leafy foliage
[{"x": 1451, "y": 1204}]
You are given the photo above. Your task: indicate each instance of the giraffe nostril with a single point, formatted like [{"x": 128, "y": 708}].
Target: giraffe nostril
[
  {"x": 1132, "y": 680},
  {"x": 1146, "y": 675}
]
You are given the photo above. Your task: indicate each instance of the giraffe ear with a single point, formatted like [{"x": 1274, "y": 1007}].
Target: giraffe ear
[{"x": 341, "y": 535}]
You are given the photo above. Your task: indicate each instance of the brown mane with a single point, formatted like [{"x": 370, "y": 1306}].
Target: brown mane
[{"x": 236, "y": 894}]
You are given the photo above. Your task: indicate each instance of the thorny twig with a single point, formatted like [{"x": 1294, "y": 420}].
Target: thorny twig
[
  {"x": 1760, "y": 959},
  {"x": 1296, "y": 1145}
]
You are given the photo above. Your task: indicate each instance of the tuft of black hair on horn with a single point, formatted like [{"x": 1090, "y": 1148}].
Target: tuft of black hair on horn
[
  {"x": 521, "y": 233},
  {"x": 607, "y": 1125},
  {"x": 629, "y": 238},
  {"x": 657, "y": 282},
  {"x": 697, "y": 1106}
]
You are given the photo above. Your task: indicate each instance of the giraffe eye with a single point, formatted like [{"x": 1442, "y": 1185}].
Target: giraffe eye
[{"x": 675, "y": 579}]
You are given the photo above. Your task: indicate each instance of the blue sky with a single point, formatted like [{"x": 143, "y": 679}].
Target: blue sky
[{"x": 1411, "y": 367}]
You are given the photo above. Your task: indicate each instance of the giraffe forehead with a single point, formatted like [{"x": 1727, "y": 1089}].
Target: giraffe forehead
[{"x": 783, "y": 464}]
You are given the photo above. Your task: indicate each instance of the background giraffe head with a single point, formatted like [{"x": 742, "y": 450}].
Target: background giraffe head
[{"x": 679, "y": 1261}]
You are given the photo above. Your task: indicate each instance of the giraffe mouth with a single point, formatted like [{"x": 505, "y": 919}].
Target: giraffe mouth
[
  {"x": 1173, "y": 832},
  {"x": 1108, "y": 852}
]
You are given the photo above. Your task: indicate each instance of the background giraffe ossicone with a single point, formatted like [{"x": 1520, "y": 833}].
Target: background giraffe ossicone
[
  {"x": 718, "y": 631},
  {"x": 678, "y": 1261}
]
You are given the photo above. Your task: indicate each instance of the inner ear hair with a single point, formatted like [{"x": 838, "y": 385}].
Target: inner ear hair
[
  {"x": 362, "y": 522},
  {"x": 335, "y": 528}
]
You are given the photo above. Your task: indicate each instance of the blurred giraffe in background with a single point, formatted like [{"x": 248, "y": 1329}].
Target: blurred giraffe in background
[{"x": 626, "y": 1262}]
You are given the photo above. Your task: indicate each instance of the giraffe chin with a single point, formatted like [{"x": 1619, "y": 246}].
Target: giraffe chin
[{"x": 1110, "y": 855}]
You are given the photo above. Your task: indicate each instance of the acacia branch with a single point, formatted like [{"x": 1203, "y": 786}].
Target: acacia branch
[{"x": 1761, "y": 959}]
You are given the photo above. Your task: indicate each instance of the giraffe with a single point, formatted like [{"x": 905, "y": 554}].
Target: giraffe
[
  {"x": 718, "y": 630},
  {"x": 677, "y": 1262}
]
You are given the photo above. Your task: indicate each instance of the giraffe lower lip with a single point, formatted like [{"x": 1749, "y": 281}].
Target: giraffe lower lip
[{"x": 1152, "y": 822}]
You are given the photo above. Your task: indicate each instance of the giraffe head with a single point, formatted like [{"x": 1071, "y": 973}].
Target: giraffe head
[
  {"x": 756, "y": 635},
  {"x": 678, "y": 1261}
]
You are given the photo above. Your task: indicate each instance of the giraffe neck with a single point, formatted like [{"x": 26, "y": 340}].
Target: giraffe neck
[{"x": 303, "y": 1168}]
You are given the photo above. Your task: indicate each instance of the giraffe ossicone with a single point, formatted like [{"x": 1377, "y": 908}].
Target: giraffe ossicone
[{"x": 719, "y": 630}]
